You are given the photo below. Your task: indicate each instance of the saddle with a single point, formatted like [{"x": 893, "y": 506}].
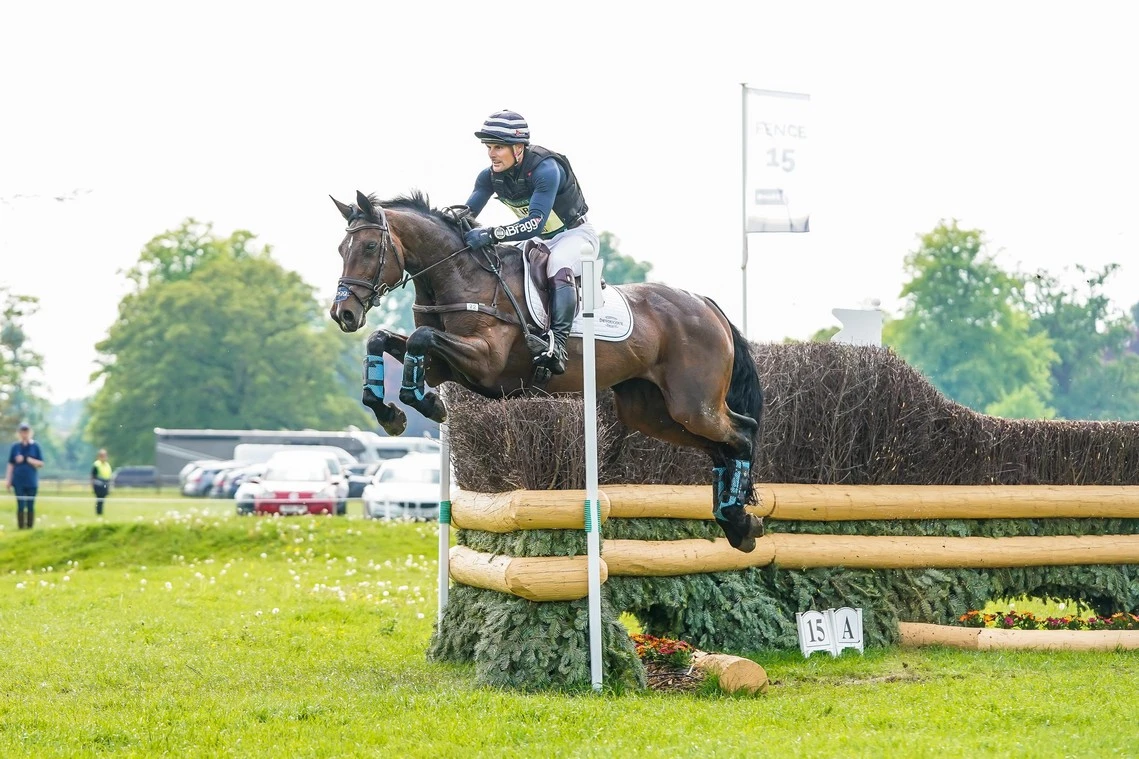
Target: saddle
[{"x": 537, "y": 254}]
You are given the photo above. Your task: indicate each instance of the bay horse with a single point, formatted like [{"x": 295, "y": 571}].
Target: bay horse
[{"x": 685, "y": 374}]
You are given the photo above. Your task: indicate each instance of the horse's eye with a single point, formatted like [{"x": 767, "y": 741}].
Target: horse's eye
[{"x": 371, "y": 245}]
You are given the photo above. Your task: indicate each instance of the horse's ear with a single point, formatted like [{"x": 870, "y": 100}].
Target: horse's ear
[
  {"x": 345, "y": 209},
  {"x": 366, "y": 206}
]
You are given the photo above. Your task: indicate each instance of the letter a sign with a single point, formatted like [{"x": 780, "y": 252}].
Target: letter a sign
[{"x": 832, "y": 630}]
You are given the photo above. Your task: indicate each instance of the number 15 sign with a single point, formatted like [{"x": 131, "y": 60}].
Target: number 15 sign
[{"x": 832, "y": 630}]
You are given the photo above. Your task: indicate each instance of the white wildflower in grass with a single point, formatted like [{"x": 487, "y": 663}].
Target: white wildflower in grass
[
  {"x": 257, "y": 613},
  {"x": 264, "y": 556},
  {"x": 276, "y": 610},
  {"x": 170, "y": 586},
  {"x": 419, "y": 615},
  {"x": 1062, "y": 606},
  {"x": 140, "y": 582},
  {"x": 20, "y": 586},
  {"x": 67, "y": 578}
]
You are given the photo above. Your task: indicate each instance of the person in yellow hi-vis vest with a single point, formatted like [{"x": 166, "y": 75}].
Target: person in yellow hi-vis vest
[{"x": 100, "y": 480}]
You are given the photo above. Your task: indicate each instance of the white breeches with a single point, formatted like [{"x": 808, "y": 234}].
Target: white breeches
[{"x": 569, "y": 247}]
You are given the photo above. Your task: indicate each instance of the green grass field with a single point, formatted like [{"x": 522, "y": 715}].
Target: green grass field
[{"x": 178, "y": 629}]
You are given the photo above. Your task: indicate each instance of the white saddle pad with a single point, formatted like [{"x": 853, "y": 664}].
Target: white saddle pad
[{"x": 612, "y": 322}]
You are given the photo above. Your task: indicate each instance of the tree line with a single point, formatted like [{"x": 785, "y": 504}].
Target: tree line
[{"x": 1011, "y": 343}]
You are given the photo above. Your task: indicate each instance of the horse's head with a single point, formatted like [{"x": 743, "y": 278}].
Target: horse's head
[{"x": 373, "y": 263}]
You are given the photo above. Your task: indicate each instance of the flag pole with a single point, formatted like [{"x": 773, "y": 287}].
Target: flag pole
[{"x": 743, "y": 201}]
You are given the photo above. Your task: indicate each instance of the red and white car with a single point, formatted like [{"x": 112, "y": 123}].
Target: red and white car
[{"x": 297, "y": 483}]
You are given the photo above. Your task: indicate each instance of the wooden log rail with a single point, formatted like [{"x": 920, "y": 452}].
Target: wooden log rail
[
  {"x": 555, "y": 578},
  {"x": 564, "y": 509},
  {"x": 564, "y": 578}
]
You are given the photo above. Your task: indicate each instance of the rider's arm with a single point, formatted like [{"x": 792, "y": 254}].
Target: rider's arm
[
  {"x": 547, "y": 177},
  {"x": 482, "y": 192}
]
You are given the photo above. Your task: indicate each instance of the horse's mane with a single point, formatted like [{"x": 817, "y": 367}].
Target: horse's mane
[{"x": 418, "y": 202}]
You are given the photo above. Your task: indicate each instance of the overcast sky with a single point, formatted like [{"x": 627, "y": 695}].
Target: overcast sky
[{"x": 1016, "y": 118}]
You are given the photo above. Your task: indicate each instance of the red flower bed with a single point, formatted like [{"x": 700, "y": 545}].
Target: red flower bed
[{"x": 1014, "y": 620}]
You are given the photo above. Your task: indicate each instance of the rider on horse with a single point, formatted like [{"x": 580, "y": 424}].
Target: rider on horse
[{"x": 540, "y": 188}]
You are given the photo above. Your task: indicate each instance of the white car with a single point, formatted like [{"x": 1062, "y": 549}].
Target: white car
[{"x": 404, "y": 488}]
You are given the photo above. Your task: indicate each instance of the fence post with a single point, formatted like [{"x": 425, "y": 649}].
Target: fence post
[{"x": 590, "y": 273}]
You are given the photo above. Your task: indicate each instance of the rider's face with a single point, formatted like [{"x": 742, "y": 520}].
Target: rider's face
[{"x": 503, "y": 157}]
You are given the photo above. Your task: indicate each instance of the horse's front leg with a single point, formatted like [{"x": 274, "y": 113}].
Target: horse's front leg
[
  {"x": 390, "y": 416},
  {"x": 469, "y": 357}
]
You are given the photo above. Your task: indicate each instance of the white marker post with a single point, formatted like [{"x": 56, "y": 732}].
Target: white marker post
[
  {"x": 590, "y": 279},
  {"x": 444, "y": 518}
]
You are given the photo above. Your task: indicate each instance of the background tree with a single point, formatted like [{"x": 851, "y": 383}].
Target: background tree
[
  {"x": 20, "y": 387},
  {"x": 965, "y": 325},
  {"x": 620, "y": 269},
  {"x": 1096, "y": 376},
  {"x": 174, "y": 254},
  {"x": 218, "y": 336}
]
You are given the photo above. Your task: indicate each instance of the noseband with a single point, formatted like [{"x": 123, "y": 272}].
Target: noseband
[{"x": 377, "y": 288}]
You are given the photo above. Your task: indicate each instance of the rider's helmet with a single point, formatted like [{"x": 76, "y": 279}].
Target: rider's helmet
[{"x": 505, "y": 128}]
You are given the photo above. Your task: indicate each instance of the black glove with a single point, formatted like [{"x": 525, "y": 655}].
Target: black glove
[{"x": 479, "y": 237}]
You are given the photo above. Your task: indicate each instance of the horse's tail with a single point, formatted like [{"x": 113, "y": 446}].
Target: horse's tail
[{"x": 745, "y": 392}]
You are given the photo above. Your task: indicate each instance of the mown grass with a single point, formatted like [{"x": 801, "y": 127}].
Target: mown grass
[{"x": 209, "y": 635}]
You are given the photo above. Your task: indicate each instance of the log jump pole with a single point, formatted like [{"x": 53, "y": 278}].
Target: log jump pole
[{"x": 567, "y": 578}]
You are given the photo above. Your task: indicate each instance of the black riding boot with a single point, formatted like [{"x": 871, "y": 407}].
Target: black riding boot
[
  {"x": 21, "y": 519},
  {"x": 563, "y": 305}
]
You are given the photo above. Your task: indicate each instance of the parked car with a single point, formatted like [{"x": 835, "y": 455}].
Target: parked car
[
  {"x": 397, "y": 447},
  {"x": 135, "y": 477},
  {"x": 297, "y": 484},
  {"x": 199, "y": 481},
  {"x": 404, "y": 488},
  {"x": 359, "y": 476},
  {"x": 227, "y": 482},
  {"x": 189, "y": 468}
]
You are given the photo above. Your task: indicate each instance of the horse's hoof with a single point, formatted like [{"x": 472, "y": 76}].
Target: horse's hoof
[
  {"x": 755, "y": 526},
  {"x": 738, "y": 539},
  {"x": 395, "y": 422},
  {"x": 438, "y": 410}
]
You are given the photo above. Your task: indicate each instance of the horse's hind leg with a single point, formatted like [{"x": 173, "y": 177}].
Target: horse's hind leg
[
  {"x": 642, "y": 406},
  {"x": 704, "y": 412}
]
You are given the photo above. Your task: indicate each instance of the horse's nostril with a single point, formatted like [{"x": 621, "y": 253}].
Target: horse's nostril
[{"x": 347, "y": 317}]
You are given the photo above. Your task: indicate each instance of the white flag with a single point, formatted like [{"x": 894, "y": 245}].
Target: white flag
[{"x": 777, "y": 161}]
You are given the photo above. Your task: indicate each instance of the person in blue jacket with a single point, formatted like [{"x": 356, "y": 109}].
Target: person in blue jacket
[
  {"x": 540, "y": 188},
  {"x": 24, "y": 461}
]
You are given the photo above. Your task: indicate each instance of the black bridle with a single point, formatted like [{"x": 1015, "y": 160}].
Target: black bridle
[{"x": 375, "y": 286}]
